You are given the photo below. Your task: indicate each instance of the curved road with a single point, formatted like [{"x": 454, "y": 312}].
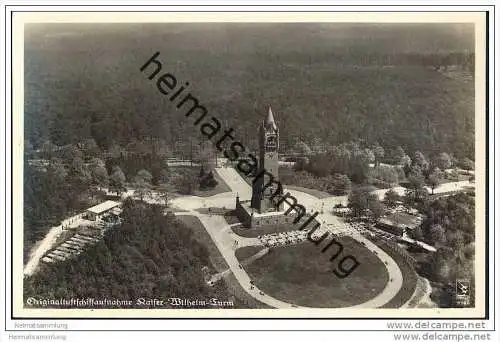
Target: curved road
[{"x": 225, "y": 240}]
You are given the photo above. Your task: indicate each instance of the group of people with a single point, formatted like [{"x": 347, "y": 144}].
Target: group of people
[{"x": 283, "y": 239}]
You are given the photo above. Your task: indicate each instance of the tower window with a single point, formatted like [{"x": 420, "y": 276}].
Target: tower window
[{"x": 271, "y": 140}]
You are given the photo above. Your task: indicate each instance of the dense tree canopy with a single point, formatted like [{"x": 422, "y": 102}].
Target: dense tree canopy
[
  {"x": 450, "y": 227},
  {"x": 50, "y": 195},
  {"x": 149, "y": 256},
  {"x": 323, "y": 94}
]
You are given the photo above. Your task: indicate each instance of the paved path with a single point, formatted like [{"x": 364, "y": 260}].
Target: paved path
[
  {"x": 48, "y": 241},
  {"x": 225, "y": 242},
  {"x": 401, "y": 191},
  {"x": 224, "y": 200},
  {"x": 451, "y": 187},
  {"x": 333, "y": 224},
  {"x": 219, "y": 231},
  {"x": 235, "y": 182}
]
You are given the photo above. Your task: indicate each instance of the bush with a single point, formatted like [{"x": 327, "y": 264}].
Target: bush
[{"x": 208, "y": 181}]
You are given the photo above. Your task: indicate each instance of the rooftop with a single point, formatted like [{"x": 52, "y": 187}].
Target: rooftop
[
  {"x": 103, "y": 207},
  {"x": 269, "y": 122},
  {"x": 401, "y": 220}
]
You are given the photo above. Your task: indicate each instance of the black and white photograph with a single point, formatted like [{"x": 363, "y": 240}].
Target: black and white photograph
[{"x": 214, "y": 169}]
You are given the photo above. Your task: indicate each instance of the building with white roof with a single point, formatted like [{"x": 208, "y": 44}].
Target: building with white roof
[{"x": 98, "y": 211}]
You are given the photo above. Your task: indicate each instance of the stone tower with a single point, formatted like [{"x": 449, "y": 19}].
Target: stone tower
[{"x": 268, "y": 160}]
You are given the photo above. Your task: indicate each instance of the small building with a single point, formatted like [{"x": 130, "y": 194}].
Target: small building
[
  {"x": 250, "y": 217},
  {"x": 400, "y": 223},
  {"x": 97, "y": 212}
]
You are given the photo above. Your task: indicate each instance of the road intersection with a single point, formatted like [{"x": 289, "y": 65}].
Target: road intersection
[{"x": 227, "y": 242}]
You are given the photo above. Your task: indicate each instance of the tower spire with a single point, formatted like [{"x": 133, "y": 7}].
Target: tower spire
[{"x": 270, "y": 120}]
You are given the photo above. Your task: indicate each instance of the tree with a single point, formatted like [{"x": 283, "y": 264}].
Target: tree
[
  {"x": 69, "y": 152},
  {"x": 137, "y": 147},
  {"x": 417, "y": 233},
  {"x": 433, "y": 181},
  {"x": 185, "y": 183},
  {"x": 89, "y": 148},
  {"x": 164, "y": 193},
  {"x": 385, "y": 173},
  {"x": 301, "y": 164},
  {"x": 455, "y": 239},
  {"x": 441, "y": 266},
  {"x": 391, "y": 198},
  {"x": 453, "y": 175},
  {"x": 319, "y": 165},
  {"x": 467, "y": 164},
  {"x": 208, "y": 181},
  {"x": 375, "y": 206},
  {"x": 97, "y": 162},
  {"x": 99, "y": 172},
  {"x": 207, "y": 156},
  {"x": 48, "y": 149},
  {"x": 164, "y": 176},
  {"x": 57, "y": 170},
  {"x": 358, "y": 200},
  {"x": 117, "y": 180},
  {"x": 358, "y": 161},
  {"x": 415, "y": 175},
  {"x": 443, "y": 161},
  {"x": 416, "y": 184},
  {"x": 420, "y": 160},
  {"x": 142, "y": 189},
  {"x": 405, "y": 162},
  {"x": 202, "y": 171},
  {"x": 400, "y": 157},
  {"x": 115, "y": 151},
  {"x": 159, "y": 169},
  {"x": 301, "y": 149},
  {"x": 409, "y": 198},
  {"x": 339, "y": 184},
  {"x": 144, "y": 175},
  {"x": 436, "y": 235},
  {"x": 142, "y": 182},
  {"x": 378, "y": 152},
  {"x": 79, "y": 172},
  {"x": 368, "y": 156},
  {"x": 28, "y": 149},
  {"x": 161, "y": 249}
]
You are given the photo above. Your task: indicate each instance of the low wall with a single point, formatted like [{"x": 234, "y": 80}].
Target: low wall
[{"x": 248, "y": 220}]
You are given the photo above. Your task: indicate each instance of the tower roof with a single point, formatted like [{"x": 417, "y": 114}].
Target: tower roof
[{"x": 269, "y": 122}]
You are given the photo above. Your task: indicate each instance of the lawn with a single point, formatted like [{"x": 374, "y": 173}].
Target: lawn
[
  {"x": 220, "y": 188},
  {"x": 248, "y": 251},
  {"x": 201, "y": 235},
  {"x": 231, "y": 218},
  {"x": 219, "y": 263},
  {"x": 313, "y": 192},
  {"x": 302, "y": 275}
]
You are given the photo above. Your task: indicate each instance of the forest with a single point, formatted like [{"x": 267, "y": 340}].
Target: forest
[
  {"x": 334, "y": 169},
  {"x": 55, "y": 193},
  {"x": 322, "y": 91},
  {"x": 450, "y": 226},
  {"x": 348, "y": 101},
  {"x": 150, "y": 256}
]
